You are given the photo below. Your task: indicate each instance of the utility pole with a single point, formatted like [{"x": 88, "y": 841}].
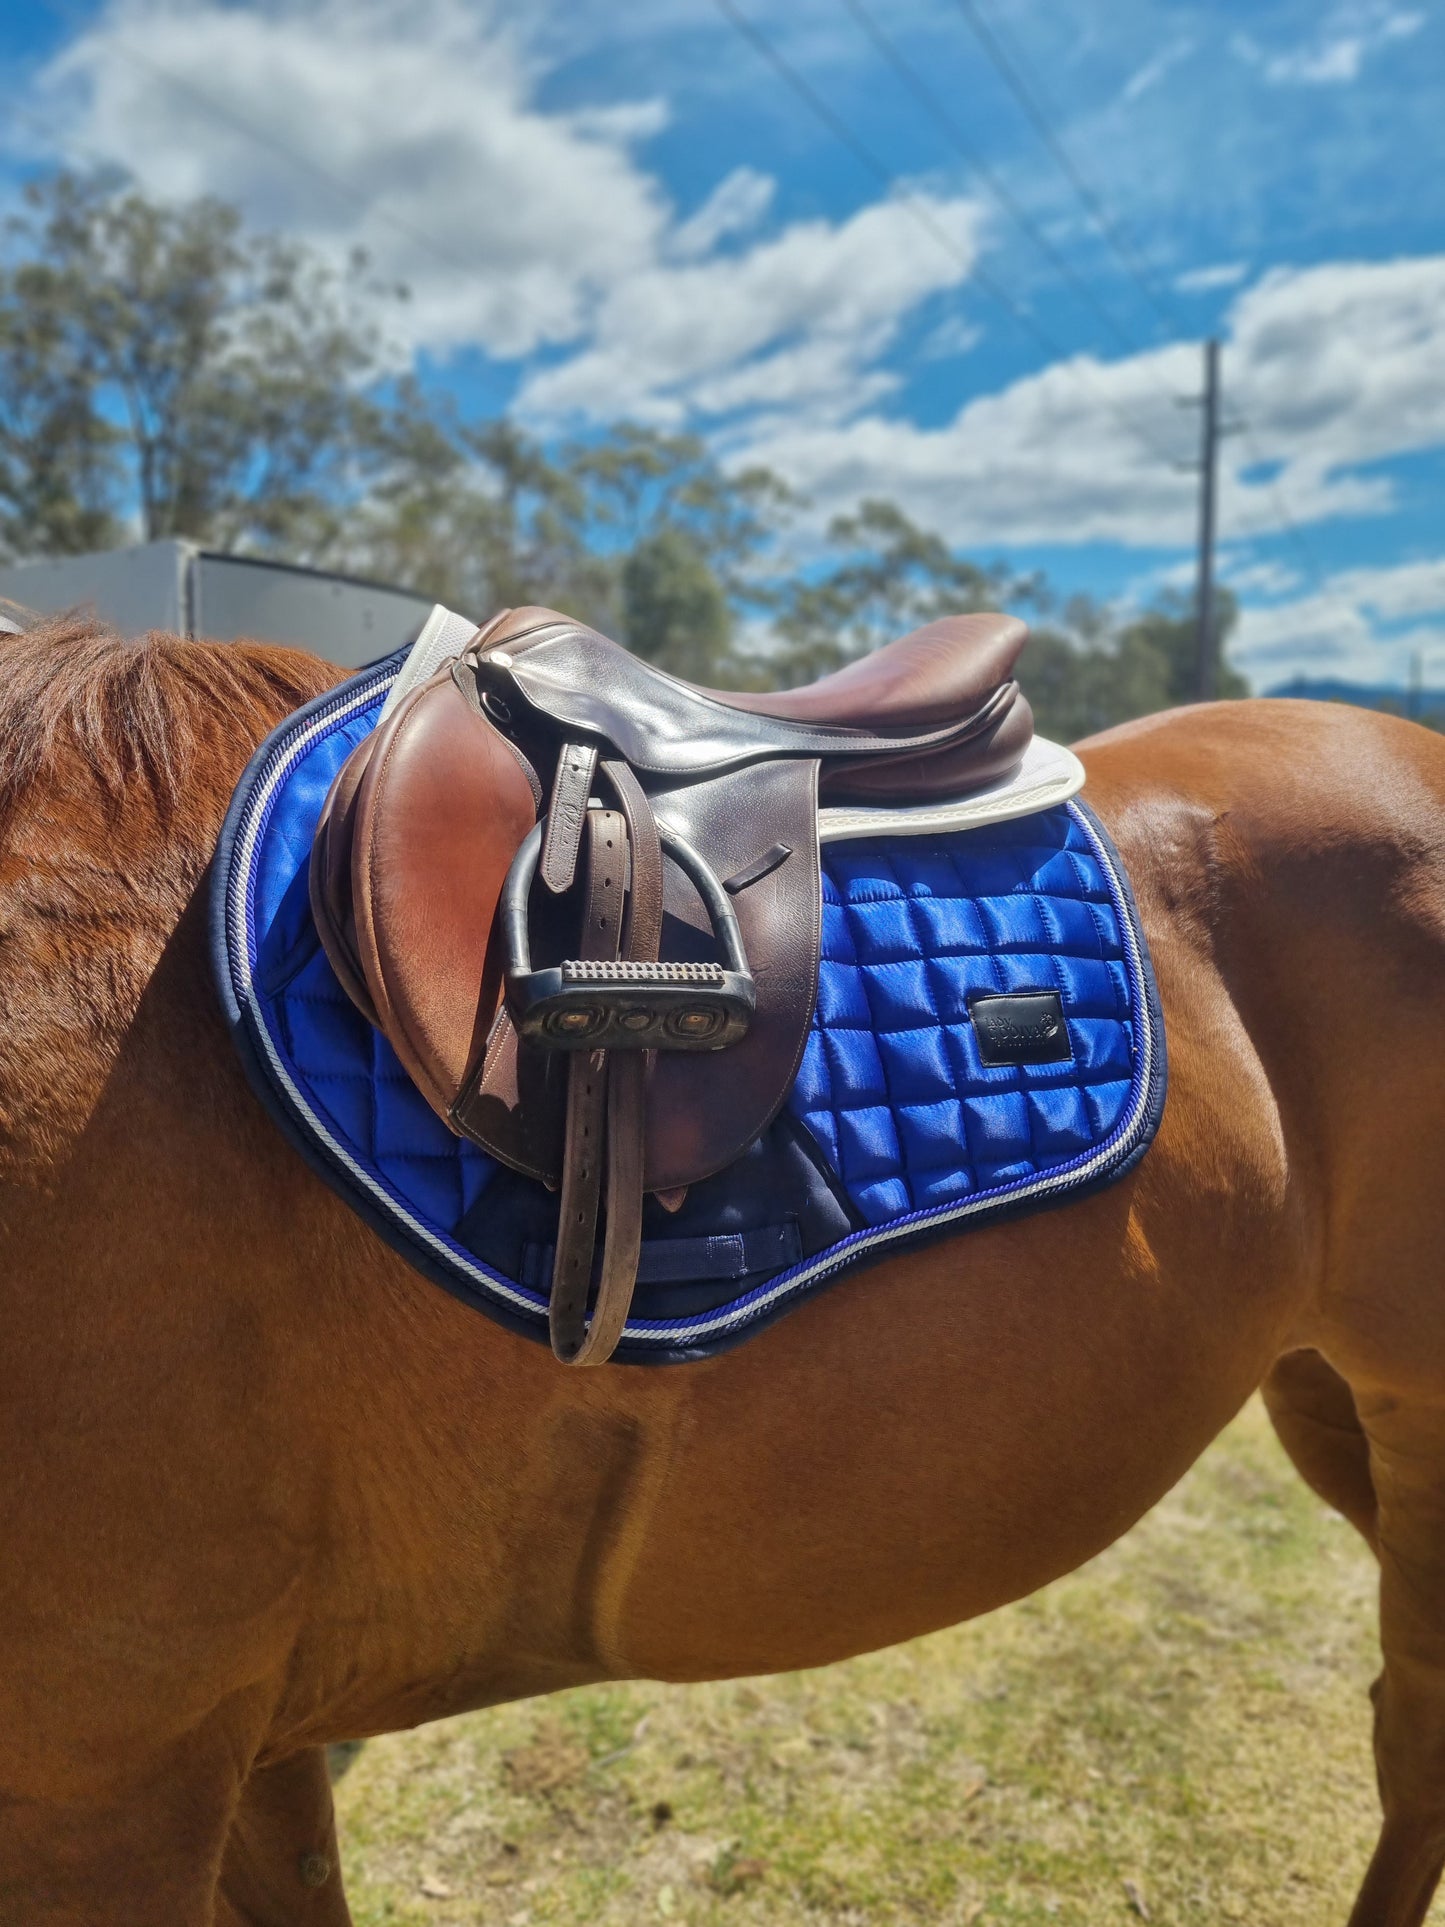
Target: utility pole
[{"x": 1206, "y": 651}]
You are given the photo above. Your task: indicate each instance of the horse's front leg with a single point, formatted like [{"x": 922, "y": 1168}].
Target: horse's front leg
[
  {"x": 281, "y": 1867},
  {"x": 133, "y": 1846},
  {"x": 1407, "y": 1452}
]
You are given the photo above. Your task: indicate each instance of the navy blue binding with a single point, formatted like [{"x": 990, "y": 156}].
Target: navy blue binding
[{"x": 894, "y": 1134}]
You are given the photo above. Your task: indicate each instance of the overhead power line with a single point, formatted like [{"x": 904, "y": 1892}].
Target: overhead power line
[
  {"x": 864, "y": 154},
  {"x": 1299, "y": 541},
  {"x": 918, "y": 208},
  {"x": 934, "y": 107},
  {"x": 1011, "y": 73},
  {"x": 921, "y": 211}
]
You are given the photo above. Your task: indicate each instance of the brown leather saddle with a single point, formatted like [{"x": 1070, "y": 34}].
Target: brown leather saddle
[{"x": 582, "y": 898}]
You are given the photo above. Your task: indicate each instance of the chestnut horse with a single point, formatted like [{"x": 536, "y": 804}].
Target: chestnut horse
[{"x": 262, "y": 1487}]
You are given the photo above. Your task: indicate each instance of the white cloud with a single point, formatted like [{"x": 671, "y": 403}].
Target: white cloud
[
  {"x": 798, "y": 318},
  {"x": 1403, "y": 591},
  {"x": 412, "y": 127},
  {"x": 735, "y": 205},
  {"x": 1227, "y": 274},
  {"x": 405, "y": 126},
  {"x": 1338, "y": 54},
  {"x": 1341, "y": 365},
  {"x": 824, "y": 376},
  {"x": 1263, "y": 575},
  {"x": 622, "y": 123},
  {"x": 1318, "y": 635},
  {"x": 1334, "y": 369},
  {"x": 1176, "y": 577},
  {"x": 1144, "y": 79},
  {"x": 1052, "y": 457},
  {"x": 1349, "y": 628},
  {"x": 955, "y": 335},
  {"x": 412, "y": 131}
]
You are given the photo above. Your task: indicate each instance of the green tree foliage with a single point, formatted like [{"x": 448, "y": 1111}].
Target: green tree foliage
[
  {"x": 164, "y": 373},
  {"x": 1168, "y": 629},
  {"x": 59, "y": 460},
  {"x": 686, "y": 540},
  {"x": 1089, "y": 671},
  {"x": 674, "y": 608},
  {"x": 641, "y": 482},
  {"x": 639, "y": 532},
  {"x": 891, "y": 577},
  {"x": 476, "y": 515},
  {"x": 1083, "y": 670},
  {"x": 207, "y": 375}
]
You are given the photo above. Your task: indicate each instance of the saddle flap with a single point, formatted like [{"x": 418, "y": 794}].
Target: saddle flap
[
  {"x": 702, "y": 1110},
  {"x": 436, "y": 802}
]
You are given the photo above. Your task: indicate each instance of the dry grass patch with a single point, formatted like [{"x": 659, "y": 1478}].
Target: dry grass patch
[{"x": 1178, "y": 1733}]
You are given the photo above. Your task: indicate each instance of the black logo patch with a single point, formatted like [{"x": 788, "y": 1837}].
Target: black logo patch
[{"x": 1026, "y": 1028}]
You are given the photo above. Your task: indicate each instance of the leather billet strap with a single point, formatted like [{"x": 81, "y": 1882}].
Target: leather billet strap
[
  {"x": 621, "y": 1080},
  {"x": 566, "y": 815}
]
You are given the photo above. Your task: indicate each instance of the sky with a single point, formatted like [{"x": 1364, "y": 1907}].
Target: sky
[{"x": 961, "y": 253}]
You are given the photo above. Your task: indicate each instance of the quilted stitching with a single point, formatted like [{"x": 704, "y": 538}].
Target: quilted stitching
[
  {"x": 356, "y": 1077},
  {"x": 891, "y": 1084}
]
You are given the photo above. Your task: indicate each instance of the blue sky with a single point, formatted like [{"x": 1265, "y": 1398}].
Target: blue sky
[{"x": 606, "y": 210}]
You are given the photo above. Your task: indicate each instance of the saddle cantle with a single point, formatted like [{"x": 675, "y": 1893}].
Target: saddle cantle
[{"x": 488, "y": 879}]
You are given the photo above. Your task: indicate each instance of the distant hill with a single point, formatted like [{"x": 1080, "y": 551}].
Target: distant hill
[{"x": 1331, "y": 689}]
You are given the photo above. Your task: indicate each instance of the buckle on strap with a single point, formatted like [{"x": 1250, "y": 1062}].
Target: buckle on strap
[{"x": 617, "y": 1004}]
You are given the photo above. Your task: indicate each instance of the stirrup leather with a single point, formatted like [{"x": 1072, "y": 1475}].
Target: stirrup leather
[{"x": 606, "y": 1008}]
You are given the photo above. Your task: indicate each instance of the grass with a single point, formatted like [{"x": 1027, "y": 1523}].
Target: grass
[{"x": 1178, "y": 1733}]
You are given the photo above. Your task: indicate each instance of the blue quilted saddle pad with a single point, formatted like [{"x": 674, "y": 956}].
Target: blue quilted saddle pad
[{"x": 896, "y": 1129}]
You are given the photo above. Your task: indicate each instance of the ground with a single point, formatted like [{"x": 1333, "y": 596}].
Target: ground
[{"x": 1178, "y": 1733}]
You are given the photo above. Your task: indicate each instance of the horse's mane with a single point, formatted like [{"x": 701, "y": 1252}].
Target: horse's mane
[{"x": 145, "y": 711}]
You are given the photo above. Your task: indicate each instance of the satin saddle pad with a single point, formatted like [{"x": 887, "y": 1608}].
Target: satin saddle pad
[{"x": 986, "y": 1039}]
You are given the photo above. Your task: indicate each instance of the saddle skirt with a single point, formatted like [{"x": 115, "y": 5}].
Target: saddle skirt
[{"x": 984, "y": 1037}]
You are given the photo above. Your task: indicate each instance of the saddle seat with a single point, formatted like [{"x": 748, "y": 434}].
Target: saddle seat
[
  {"x": 488, "y": 881},
  {"x": 927, "y": 678},
  {"x": 936, "y": 713}
]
